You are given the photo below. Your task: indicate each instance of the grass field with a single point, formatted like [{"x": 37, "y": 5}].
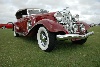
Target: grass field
[{"x": 24, "y": 52}]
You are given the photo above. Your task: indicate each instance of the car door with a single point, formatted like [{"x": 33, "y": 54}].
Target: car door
[{"x": 10, "y": 25}]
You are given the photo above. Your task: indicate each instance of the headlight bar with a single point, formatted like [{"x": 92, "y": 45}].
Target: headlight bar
[{"x": 75, "y": 27}]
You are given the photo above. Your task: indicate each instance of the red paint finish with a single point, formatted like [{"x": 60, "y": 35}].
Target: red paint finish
[
  {"x": 46, "y": 19},
  {"x": 52, "y": 26},
  {"x": 49, "y": 21},
  {"x": 49, "y": 16}
]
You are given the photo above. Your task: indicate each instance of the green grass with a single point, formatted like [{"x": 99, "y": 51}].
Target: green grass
[{"x": 24, "y": 52}]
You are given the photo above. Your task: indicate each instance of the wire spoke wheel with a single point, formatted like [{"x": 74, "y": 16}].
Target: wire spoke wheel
[{"x": 45, "y": 39}]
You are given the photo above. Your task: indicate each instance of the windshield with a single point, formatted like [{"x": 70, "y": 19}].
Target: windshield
[{"x": 37, "y": 11}]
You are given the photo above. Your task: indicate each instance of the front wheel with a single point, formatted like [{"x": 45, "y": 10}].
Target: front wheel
[
  {"x": 45, "y": 39},
  {"x": 82, "y": 41}
]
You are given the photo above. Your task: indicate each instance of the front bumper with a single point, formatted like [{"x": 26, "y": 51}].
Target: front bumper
[{"x": 73, "y": 36}]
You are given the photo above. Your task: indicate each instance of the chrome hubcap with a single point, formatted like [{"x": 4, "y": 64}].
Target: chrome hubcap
[{"x": 43, "y": 38}]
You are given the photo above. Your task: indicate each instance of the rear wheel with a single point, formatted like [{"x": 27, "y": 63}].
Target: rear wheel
[
  {"x": 13, "y": 28},
  {"x": 45, "y": 39},
  {"x": 15, "y": 34}
]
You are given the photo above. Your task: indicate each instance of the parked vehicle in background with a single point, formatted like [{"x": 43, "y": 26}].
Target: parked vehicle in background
[
  {"x": 8, "y": 25},
  {"x": 48, "y": 27},
  {"x": 92, "y": 24},
  {"x": 98, "y": 24}
]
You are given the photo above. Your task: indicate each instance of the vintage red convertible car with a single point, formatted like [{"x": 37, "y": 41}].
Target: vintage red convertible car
[
  {"x": 48, "y": 27},
  {"x": 8, "y": 25}
]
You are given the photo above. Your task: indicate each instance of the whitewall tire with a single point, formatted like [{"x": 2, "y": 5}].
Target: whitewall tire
[{"x": 45, "y": 39}]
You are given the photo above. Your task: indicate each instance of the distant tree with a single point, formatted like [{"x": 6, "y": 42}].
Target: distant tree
[{"x": 99, "y": 24}]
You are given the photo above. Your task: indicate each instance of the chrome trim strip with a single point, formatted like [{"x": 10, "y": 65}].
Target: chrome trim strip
[{"x": 73, "y": 36}]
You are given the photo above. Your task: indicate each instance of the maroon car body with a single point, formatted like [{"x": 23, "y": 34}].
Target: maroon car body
[
  {"x": 50, "y": 26},
  {"x": 8, "y": 25}
]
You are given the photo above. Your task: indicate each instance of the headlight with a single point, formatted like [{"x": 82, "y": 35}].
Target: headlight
[
  {"x": 76, "y": 17},
  {"x": 58, "y": 16},
  {"x": 75, "y": 27},
  {"x": 82, "y": 27}
]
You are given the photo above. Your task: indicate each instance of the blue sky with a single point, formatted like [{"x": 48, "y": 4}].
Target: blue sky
[{"x": 88, "y": 10}]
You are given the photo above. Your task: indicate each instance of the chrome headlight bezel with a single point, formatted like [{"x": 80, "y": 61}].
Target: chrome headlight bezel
[
  {"x": 75, "y": 28},
  {"x": 76, "y": 17},
  {"x": 82, "y": 27},
  {"x": 58, "y": 15}
]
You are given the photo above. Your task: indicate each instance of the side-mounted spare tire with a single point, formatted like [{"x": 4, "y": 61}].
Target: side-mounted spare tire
[{"x": 46, "y": 39}]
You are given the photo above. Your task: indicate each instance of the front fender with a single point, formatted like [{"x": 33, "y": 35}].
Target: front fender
[
  {"x": 52, "y": 26},
  {"x": 86, "y": 25}
]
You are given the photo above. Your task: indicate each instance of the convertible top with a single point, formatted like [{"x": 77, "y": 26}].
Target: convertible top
[
  {"x": 26, "y": 9},
  {"x": 21, "y": 12}
]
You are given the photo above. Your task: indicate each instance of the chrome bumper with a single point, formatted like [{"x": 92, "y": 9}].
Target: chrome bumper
[{"x": 73, "y": 36}]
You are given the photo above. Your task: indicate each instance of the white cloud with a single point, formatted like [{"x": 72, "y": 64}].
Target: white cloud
[{"x": 88, "y": 10}]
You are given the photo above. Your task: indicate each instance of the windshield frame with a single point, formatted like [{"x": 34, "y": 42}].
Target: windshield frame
[{"x": 40, "y": 11}]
